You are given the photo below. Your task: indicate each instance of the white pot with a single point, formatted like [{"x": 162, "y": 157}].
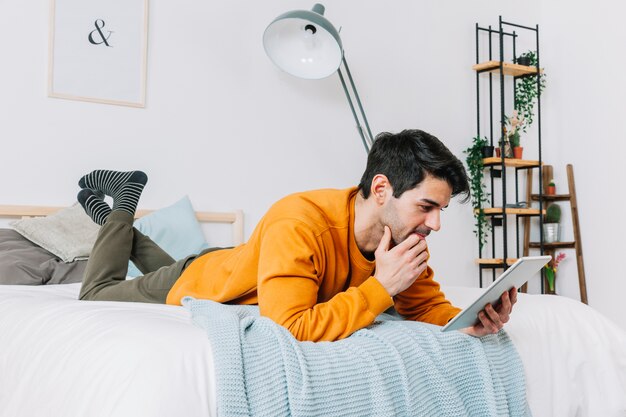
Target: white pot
[{"x": 551, "y": 232}]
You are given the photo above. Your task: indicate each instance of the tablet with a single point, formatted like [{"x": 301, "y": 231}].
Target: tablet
[{"x": 514, "y": 277}]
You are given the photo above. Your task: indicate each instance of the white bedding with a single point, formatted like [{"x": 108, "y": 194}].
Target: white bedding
[
  {"x": 574, "y": 358},
  {"x": 62, "y": 357}
]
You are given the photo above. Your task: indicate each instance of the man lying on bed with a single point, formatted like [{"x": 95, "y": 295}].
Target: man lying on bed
[{"x": 321, "y": 263}]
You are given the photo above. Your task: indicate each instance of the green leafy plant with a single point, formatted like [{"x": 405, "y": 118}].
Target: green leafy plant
[
  {"x": 553, "y": 213},
  {"x": 526, "y": 92},
  {"x": 479, "y": 196},
  {"x": 514, "y": 139}
]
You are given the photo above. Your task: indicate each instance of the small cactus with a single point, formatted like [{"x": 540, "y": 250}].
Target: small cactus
[{"x": 553, "y": 213}]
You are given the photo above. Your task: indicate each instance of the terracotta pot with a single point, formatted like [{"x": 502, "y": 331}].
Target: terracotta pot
[
  {"x": 550, "y": 190},
  {"x": 517, "y": 152}
]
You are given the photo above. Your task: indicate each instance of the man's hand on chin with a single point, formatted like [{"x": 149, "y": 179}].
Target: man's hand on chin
[{"x": 491, "y": 319}]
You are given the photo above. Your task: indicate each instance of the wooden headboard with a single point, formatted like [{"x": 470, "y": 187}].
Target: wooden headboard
[{"x": 233, "y": 217}]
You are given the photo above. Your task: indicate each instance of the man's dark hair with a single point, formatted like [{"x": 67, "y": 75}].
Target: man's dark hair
[{"x": 406, "y": 158}]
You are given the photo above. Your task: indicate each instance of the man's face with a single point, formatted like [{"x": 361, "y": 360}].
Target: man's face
[{"x": 417, "y": 210}]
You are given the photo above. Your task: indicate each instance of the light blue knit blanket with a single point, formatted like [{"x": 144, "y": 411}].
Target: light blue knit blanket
[{"x": 391, "y": 368}]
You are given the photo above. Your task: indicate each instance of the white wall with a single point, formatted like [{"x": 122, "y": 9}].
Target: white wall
[
  {"x": 223, "y": 125},
  {"x": 583, "y": 44}
]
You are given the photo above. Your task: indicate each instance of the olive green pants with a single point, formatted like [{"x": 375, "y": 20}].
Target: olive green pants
[{"x": 117, "y": 242}]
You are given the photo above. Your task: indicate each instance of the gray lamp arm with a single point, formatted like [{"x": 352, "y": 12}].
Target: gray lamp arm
[{"x": 366, "y": 136}]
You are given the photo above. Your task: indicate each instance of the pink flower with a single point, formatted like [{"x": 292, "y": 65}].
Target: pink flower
[
  {"x": 550, "y": 270},
  {"x": 514, "y": 123},
  {"x": 559, "y": 257}
]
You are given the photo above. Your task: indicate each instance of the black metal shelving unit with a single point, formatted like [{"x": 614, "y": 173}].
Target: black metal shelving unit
[{"x": 507, "y": 37}]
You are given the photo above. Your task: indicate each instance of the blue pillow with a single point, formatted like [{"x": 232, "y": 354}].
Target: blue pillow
[{"x": 175, "y": 229}]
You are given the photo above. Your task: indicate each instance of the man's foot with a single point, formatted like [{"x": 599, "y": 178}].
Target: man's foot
[
  {"x": 94, "y": 206},
  {"x": 124, "y": 187}
]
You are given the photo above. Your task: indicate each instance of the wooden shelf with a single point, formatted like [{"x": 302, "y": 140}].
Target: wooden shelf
[
  {"x": 510, "y": 162},
  {"x": 553, "y": 245},
  {"x": 555, "y": 197},
  {"x": 492, "y": 211},
  {"x": 508, "y": 68},
  {"x": 495, "y": 261}
]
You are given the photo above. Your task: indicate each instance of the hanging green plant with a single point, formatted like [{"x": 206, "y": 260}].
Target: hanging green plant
[
  {"x": 479, "y": 196},
  {"x": 526, "y": 91}
]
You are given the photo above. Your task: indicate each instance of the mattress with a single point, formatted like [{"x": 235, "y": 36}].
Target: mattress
[{"x": 63, "y": 357}]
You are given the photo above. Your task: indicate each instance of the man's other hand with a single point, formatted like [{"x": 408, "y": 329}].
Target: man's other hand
[{"x": 490, "y": 319}]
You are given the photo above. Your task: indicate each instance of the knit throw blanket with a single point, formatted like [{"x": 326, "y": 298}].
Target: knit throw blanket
[{"x": 391, "y": 368}]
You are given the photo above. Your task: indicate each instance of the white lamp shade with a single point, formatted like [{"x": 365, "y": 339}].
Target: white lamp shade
[{"x": 304, "y": 44}]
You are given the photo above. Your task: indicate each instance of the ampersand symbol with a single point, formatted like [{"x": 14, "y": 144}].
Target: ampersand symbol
[{"x": 99, "y": 25}]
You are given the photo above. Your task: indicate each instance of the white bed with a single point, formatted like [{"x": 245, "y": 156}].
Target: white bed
[{"x": 63, "y": 357}]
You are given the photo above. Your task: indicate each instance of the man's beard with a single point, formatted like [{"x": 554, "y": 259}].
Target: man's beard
[{"x": 424, "y": 231}]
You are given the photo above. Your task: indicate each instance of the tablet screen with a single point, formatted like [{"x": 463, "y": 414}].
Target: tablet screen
[{"x": 514, "y": 277}]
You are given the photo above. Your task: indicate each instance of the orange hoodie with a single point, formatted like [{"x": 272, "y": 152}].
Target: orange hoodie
[{"x": 303, "y": 268}]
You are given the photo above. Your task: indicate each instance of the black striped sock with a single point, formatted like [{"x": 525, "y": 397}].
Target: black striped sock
[
  {"x": 94, "y": 206},
  {"x": 124, "y": 187},
  {"x": 99, "y": 194}
]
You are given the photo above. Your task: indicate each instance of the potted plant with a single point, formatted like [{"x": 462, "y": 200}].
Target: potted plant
[
  {"x": 550, "y": 270},
  {"x": 513, "y": 126},
  {"x": 487, "y": 151},
  {"x": 478, "y": 193},
  {"x": 526, "y": 91},
  {"x": 551, "y": 188},
  {"x": 551, "y": 229},
  {"x": 523, "y": 59}
]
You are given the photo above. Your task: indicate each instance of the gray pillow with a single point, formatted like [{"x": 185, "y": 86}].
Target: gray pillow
[
  {"x": 69, "y": 233},
  {"x": 24, "y": 263}
]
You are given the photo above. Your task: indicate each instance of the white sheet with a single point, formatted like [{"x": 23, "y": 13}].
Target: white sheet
[
  {"x": 62, "y": 357},
  {"x": 574, "y": 358}
]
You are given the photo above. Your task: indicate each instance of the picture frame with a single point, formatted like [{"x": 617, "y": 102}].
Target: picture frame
[{"x": 98, "y": 51}]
